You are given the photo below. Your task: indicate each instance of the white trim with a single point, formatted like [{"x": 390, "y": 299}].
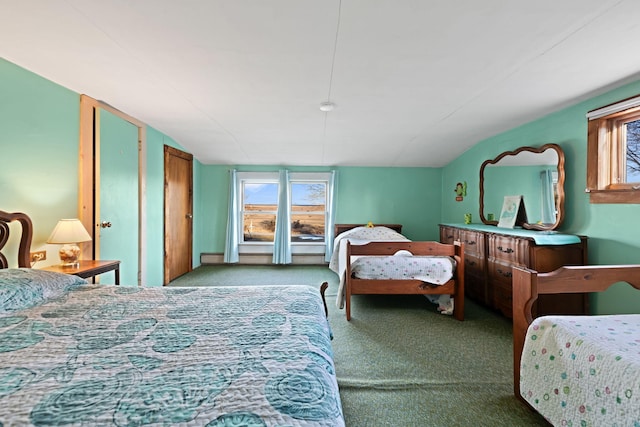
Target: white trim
[{"x": 614, "y": 108}]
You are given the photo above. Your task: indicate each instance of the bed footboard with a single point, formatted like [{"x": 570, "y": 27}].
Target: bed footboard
[
  {"x": 529, "y": 284},
  {"x": 454, "y": 287}
]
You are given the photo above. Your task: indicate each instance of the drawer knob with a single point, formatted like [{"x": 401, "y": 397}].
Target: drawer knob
[
  {"x": 506, "y": 251},
  {"x": 504, "y": 273}
]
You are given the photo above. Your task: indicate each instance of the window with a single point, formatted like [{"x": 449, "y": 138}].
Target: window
[
  {"x": 259, "y": 207},
  {"x": 308, "y": 211},
  {"x": 613, "y": 154}
]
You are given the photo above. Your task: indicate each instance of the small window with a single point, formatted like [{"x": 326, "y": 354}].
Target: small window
[
  {"x": 258, "y": 200},
  {"x": 613, "y": 156},
  {"x": 259, "y": 209},
  {"x": 631, "y": 141},
  {"x": 308, "y": 211}
]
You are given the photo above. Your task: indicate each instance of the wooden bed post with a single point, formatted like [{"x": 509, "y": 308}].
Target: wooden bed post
[
  {"x": 347, "y": 283},
  {"x": 323, "y": 289},
  {"x": 458, "y": 297},
  {"x": 24, "y": 260},
  {"x": 525, "y": 292}
]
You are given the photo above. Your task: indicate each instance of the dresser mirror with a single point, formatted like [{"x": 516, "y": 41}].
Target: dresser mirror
[{"x": 535, "y": 173}]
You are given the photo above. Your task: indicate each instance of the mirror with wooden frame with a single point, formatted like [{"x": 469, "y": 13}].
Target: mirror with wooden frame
[{"x": 535, "y": 173}]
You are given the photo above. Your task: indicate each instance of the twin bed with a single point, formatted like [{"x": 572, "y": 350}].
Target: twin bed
[
  {"x": 577, "y": 370},
  {"x": 73, "y": 353},
  {"x": 380, "y": 260}
]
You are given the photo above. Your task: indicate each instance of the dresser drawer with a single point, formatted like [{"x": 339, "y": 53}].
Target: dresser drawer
[
  {"x": 475, "y": 287},
  {"x": 509, "y": 249},
  {"x": 499, "y": 272},
  {"x": 449, "y": 235},
  {"x": 473, "y": 264},
  {"x": 502, "y": 298},
  {"x": 473, "y": 242}
]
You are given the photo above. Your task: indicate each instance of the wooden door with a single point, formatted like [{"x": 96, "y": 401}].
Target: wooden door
[{"x": 178, "y": 213}]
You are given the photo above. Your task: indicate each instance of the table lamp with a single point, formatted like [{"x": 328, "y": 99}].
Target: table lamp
[{"x": 69, "y": 232}]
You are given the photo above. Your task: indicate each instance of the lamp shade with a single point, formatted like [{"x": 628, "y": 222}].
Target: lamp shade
[{"x": 69, "y": 231}]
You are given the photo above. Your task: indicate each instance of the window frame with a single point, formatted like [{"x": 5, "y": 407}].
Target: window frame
[
  {"x": 311, "y": 178},
  {"x": 312, "y": 248},
  {"x": 605, "y": 154},
  {"x": 254, "y": 179}
]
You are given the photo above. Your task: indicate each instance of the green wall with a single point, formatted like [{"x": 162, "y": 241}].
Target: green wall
[
  {"x": 407, "y": 196},
  {"x": 39, "y": 123},
  {"x": 614, "y": 237},
  {"x": 39, "y": 129}
]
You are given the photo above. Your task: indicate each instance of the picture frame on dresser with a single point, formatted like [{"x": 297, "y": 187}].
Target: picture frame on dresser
[{"x": 513, "y": 212}]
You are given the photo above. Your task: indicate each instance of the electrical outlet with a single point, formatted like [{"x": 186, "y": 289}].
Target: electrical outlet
[{"x": 38, "y": 256}]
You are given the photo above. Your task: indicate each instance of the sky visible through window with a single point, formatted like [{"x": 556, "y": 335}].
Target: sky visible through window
[{"x": 267, "y": 194}]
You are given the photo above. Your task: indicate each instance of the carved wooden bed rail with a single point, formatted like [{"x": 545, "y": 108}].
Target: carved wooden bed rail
[{"x": 25, "y": 238}]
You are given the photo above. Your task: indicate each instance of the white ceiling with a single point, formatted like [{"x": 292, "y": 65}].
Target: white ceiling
[{"x": 415, "y": 82}]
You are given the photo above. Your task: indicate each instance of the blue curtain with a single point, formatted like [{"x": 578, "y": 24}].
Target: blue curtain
[
  {"x": 231, "y": 244},
  {"x": 331, "y": 217},
  {"x": 282, "y": 239},
  {"x": 548, "y": 199}
]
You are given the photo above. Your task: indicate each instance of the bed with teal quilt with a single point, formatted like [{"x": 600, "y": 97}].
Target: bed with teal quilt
[{"x": 78, "y": 354}]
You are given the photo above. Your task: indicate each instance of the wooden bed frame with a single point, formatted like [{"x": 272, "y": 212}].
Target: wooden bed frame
[
  {"x": 529, "y": 284},
  {"x": 454, "y": 287},
  {"x": 27, "y": 235},
  {"x": 25, "y": 239}
]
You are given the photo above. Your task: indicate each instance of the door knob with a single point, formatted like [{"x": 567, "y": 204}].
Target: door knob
[
  {"x": 189, "y": 216},
  {"x": 105, "y": 224}
]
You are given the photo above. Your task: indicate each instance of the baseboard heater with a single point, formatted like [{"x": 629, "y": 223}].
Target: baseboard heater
[{"x": 262, "y": 259}]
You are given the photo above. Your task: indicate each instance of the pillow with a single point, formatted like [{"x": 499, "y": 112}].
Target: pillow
[
  {"x": 25, "y": 287},
  {"x": 403, "y": 252}
]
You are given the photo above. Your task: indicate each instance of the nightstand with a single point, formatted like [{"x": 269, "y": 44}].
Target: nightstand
[{"x": 88, "y": 268}]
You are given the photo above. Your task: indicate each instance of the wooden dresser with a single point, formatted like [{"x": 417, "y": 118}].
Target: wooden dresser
[{"x": 490, "y": 252}]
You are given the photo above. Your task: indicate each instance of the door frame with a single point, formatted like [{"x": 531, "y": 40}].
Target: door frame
[{"x": 89, "y": 178}]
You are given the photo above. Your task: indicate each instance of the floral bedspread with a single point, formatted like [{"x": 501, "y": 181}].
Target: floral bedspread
[
  {"x": 356, "y": 236},
  {"x": 432, "y": 269},
  {"x": 110, "y": 355},
  {"x": 583, "y": 370}
]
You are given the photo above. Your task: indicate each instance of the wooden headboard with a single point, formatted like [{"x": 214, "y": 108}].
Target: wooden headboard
[
  {"x": 341, "y": 228},
  {"x": 25, "y": 238}
]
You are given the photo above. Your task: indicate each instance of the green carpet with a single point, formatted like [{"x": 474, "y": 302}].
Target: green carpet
[
  {"x": 234, "y": 275},
  {"x": 401, "y": 363}
]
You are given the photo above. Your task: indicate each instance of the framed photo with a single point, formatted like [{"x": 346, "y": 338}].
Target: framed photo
[{"x": 513, "y": 212}]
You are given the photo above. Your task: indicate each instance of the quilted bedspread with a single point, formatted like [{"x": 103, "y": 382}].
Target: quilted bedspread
[
  {"x": 82, "y": 354},
  {"x": 583, "y": 370},
  {"x": 356, "y": 236},
  {"x": 402, "y": 266},
  {"x": 432, "y": 269}
]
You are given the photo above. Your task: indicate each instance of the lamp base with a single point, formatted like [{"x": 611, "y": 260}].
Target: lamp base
[{"x": 69, "y": 254}]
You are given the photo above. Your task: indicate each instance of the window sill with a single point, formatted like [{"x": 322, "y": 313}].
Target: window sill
[
  {"x": 267, "y": 248},
  {"x": 614, "y": 196}
]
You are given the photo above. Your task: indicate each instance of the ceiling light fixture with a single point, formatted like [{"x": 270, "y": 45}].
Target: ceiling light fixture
[{"x": 327, "y": 106}]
